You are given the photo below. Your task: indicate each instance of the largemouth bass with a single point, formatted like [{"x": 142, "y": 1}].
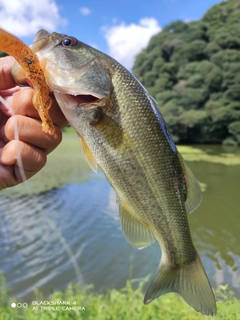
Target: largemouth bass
[{"x": 123, "y": 132}]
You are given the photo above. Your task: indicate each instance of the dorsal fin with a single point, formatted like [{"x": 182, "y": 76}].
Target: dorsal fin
[
  {"x": 194, "y": 194},
  {"x": 137, "y": 234},
  {"x": 89, "y": 155}
]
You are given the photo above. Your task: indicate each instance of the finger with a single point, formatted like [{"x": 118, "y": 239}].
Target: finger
[
  {"x": 32, "y": 159},
  {"x": 30, "y": 131},
  {"x": 5, "y": 107},
  {"x": 8, "y": 178},
  {"x": 6, "y": 64},
  {"x": 21, "y": 103},
  {"x": 10, "y": 91}
]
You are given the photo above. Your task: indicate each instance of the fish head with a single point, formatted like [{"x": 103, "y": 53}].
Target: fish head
[
  {"x": 77, "y": 74},
  {"x": 69, "y": 65}
]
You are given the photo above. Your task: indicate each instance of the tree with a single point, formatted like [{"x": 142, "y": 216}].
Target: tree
[
  {"x": 234, "y": 130},
  {"x": 193, "y": 72}
]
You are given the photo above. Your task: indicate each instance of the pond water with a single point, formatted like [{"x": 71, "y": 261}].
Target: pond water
[{"x": 62, "y": 226}]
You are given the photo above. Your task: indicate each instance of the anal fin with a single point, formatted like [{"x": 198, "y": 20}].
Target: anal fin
[{"x": 136, "y": 233}]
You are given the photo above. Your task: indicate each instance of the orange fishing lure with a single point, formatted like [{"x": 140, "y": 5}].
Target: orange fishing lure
[{"x": 29, "y": 62}]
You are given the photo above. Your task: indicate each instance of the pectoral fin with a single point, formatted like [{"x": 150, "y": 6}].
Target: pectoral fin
[
  {"x": 89, "y": 155},
  {"x": 137, "y": 234},
  {"x": 194, "y": 194}
]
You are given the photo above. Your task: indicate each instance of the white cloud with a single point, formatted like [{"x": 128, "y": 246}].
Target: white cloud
[
  {"x": 187, "y": 20},
  {"x": 126, "y": 41},
  {"x": 26, "y": 17},
  {"x": 85, "y": 11}
]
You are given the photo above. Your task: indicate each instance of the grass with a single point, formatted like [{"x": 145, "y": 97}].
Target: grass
[
  {"x": 196, "y": 154},
  {"x": 121, "y": 304}
]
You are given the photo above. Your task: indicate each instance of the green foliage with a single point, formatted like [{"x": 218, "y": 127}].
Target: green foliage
[
  {"x": 124, "y": 304},
  {"x": 225, "y": 56},
  {"x": 189, "y": 52},
  {"x": 193, "y": 72},
  {"x": 225, "y": 40},
  {"x": 191, "y": 98},
  {"x": 234, "y": 129},
  {"x": 211, "y": 48}
]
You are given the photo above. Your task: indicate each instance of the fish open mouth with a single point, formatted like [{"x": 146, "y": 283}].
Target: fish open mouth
[
  {"x": 87, "y": 98},
  {"x": 83, "y": 99}
]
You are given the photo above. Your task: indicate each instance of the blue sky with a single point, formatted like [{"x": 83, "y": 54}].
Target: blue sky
[{"x": 120, "y": 28}]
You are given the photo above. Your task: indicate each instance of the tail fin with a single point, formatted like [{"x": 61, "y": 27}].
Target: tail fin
[{"x": 190, "y": 281}]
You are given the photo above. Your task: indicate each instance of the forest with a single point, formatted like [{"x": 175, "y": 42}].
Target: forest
[{"x": 192, "y": 70}]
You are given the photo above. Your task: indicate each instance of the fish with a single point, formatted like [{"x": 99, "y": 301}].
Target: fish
[
  {"x": 123, "y": 132},
  {"x": 29, "y": 69}
]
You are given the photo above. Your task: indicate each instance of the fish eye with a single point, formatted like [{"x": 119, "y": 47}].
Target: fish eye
[{"x": 69, "y": 42}]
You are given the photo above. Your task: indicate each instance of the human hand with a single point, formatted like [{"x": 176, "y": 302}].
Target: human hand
[{"x": 33, "y": 144}]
